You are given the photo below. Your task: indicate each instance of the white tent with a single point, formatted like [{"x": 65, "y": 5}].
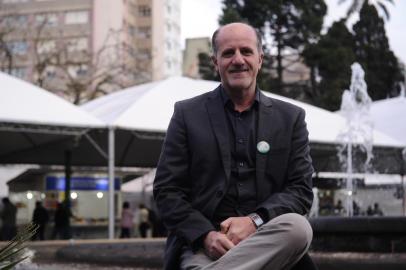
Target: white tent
[
  {"x": 389, "y": 116},
  {"x": 140, "y": 184},
  {"x": 36, "y": 126},
  {"x": 149, "y": 107},
  {"x": 24, "y": 103}
]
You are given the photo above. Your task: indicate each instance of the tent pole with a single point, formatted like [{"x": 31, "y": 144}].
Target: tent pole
[
  {"x": 68, "y": 175},
  {"x": 111, "y": 182}
]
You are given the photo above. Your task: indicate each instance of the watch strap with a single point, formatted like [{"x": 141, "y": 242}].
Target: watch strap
[{"x": 256, "y": 219}]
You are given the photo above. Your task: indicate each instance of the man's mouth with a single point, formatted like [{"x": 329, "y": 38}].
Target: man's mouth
[{"x": 238, "y": 70}]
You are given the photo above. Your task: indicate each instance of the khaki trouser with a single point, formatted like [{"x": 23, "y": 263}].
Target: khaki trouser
[{"x": 277, "y": 245}]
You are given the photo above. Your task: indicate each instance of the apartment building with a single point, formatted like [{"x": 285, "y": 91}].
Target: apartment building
[{"x": 143, "y": 35}]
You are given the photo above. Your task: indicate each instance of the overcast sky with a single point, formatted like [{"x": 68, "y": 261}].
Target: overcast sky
[{"x": 199, "y": 19}]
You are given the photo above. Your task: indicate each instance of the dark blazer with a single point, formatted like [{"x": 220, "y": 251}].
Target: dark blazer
[{"x": 194, "y": 167}]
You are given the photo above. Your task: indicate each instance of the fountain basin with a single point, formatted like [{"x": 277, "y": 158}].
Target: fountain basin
[{"x": 359, "y": 234}]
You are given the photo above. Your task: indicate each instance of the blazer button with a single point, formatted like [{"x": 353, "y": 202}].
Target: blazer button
[{"x": 219, "y": 194}]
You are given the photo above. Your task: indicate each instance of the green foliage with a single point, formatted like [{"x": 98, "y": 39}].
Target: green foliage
[
  {"x": 356, "y": 6},
  {"x": 332, "y": 57},
  {"x": 206, "y": 68},
  {"x": 11, "y": 253},
  {"x": 230, "y": 12},
  {"x": 382, "y": 71}
]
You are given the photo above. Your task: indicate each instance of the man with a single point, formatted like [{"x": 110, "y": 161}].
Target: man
[
  {"x": 62, "y": 217},
  {"x": 40, "y": 217},
  {"x": 8, "y": 219},
  {"x": 234, "y": 176}
]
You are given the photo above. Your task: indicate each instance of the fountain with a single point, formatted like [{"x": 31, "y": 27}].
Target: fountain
[
  {"x": 355, "y": 107},
  {"x": 354, "y": 240}
]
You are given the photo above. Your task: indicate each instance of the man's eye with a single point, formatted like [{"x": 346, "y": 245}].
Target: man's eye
[
  {"x": 228, "y": 53},
  {"x": 247, "y": 52}
]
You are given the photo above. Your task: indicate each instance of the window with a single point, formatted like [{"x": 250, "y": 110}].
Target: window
[
  {"x": 144, "y": 54},
  {"x": 18, "y": 47},
  {"x": 46, "y": 46},
  {"x": 168, "y": 45},
  {"x": 77, "y": 71},
  {"x": 144, "y": 11},
  {"x": 77, "y": 17},
  {"x": 132, "y": 30},
  {"x": 77, "y": 44},
  {"x": 15, "y": 20},
  {"x": 144, "y": 32},
  {"x": 168, "y": 27},
  {"x": 50, "y": 72},
  {"x": 19, "y": 72},
  {"x": 49, "y": 19}
]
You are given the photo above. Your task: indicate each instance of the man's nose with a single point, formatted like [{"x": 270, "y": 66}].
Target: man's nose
[{"x": 238, "y": 58}]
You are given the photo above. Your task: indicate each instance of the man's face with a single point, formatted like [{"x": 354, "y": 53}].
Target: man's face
[{"x": 237, "y": 59}]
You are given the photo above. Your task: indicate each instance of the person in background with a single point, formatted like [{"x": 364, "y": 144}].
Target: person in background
[
  {"x": 62, "y": 223},
  {"x": 377, "y": 210},
  {"x": 8, "y": 220},
  {"x": 40, "y": 217},
  {"x": 339, "y": 209},
  {"x": 144, "y": 220},
  {"x": 126, "y": 222}
]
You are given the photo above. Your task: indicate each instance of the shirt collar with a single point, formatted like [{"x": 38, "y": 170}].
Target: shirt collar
[{"x": 226, "y": 99}]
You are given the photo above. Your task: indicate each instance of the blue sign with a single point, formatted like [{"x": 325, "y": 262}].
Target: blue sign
[{"x": 81, "y": 183}]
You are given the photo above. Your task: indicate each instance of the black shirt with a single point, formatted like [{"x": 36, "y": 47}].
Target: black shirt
[{"x": 240, "y": 196}]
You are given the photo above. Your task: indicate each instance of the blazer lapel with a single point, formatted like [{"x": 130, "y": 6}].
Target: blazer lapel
[
  {"x": 264, "y": 133},
  {"x": 217, "y": 117}
]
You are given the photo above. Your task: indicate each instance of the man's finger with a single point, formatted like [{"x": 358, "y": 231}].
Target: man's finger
[
  {"x": 227, "y": 244},
  {"x": 225, "y": 225}
]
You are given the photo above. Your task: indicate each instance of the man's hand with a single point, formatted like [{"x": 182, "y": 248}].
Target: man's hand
[
  {"x": 217, "y": 244},
  {"x": 237, "y": 228}
]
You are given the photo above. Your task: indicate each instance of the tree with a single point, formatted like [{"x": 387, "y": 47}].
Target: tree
[
  {"x": 330, "y": 61},
  {"x": 356, "y": 6},
  {"x": 291, "y": 23},
  {"x": 8, "y": 24},
  {"x": 69, "y": 69},
  {"x": 382, "y": 70},
  {"x": 206, "y": 68}
]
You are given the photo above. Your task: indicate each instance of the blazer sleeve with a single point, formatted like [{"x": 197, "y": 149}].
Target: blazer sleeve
[
  {"x": 296, "y": 195},
  {"x": 173, "y": 184}
]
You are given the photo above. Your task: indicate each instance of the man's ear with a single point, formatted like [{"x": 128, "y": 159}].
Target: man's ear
[
  {"x": 261, "y": 59},
  {"x": 214, "y": 61}
]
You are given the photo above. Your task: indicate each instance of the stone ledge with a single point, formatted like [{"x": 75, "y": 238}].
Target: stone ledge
[
  {"x": 359, "y": 260},
  {"x": 148, "y": 253}
]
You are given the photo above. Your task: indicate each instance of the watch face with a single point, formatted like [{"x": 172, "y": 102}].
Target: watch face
[{"x": 256, "y": 219}]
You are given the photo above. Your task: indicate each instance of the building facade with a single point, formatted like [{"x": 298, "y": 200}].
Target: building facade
[
  {"x": 93, "y": 39},
  {"x": 193, "y": 47}
]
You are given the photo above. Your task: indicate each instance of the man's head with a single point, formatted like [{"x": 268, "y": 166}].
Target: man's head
[{"x": 237, "y": 55}]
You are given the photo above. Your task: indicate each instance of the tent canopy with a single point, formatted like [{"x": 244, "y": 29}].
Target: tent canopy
[
  {"x": 149, "y": 107},
  {"x": 389, "y": 117},
  {"x": 36, "y": 127},
  {"x": 140, "y": 116},
  {"x": 24, "y": 103}
]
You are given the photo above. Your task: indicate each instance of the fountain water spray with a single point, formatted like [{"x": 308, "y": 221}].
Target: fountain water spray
[{"x": 358, "y": 132}]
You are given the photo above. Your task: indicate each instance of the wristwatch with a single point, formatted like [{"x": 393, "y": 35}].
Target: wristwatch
[{"x": 258, "y": 222}]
